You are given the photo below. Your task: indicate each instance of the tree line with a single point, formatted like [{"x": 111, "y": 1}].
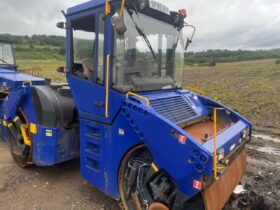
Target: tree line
[
  {"x": 49, "y": 47},
  {"x": 212, "y": 57}
]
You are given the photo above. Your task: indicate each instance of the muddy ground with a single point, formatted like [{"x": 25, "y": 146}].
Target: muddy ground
[{"x": 61, "y": 187}]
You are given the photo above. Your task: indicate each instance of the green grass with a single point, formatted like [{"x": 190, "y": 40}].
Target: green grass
[
  {"x": 251, "y": 88},
  {"x": 277, "y": 145},
  {"x": 48, "y": 68}
]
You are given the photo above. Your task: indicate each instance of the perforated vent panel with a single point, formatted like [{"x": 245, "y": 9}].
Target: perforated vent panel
[{"x": 176, "y": 109}]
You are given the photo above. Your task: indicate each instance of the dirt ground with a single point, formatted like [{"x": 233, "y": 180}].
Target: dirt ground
[
  {"x": 61, "y": 187},
  {"x": 47, "y": 188}
]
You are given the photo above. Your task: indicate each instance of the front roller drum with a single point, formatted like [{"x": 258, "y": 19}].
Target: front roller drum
[{"x": 218, "y": 193}]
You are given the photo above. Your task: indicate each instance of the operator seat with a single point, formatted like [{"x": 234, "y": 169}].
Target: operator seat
[{"x": 88, "y": 68}]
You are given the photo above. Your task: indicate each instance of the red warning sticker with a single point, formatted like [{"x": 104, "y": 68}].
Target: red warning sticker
[
  {"x": 182, "y": 139},
  {"x": 197, "y": 184}
]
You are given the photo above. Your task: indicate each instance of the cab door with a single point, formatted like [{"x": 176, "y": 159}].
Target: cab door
[{"x": 89, "y": 62}]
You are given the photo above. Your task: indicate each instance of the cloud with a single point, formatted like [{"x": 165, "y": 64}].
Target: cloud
[{"x": 233, "y": 24}]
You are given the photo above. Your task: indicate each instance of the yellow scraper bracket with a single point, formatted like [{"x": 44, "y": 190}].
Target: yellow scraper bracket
[
  {"x": 215, "y": 143},
  {"x": 26, "y": 138},
  {"x": 33, "y": 128}
]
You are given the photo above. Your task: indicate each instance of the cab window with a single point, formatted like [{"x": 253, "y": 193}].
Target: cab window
[{"x": 87, "y": 48}]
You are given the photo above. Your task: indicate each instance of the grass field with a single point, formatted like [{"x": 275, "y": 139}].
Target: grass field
[
  {"x": 48, "y": 68},
  {"x": 252, "y": 88}
]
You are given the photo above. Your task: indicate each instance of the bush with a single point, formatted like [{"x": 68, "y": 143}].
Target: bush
[
  {"x": 212, "y": 63},
  {"x": 277, "y": 61}
]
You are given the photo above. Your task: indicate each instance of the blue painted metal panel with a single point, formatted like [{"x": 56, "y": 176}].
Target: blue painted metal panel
[
  {"x": 227, "y": 138},
  {"x": 168, "y": 153},
  {"x": 94, "y": 137},
  {"x": 54, "y": 145},
  {"x": 13, "y": 79},
  {"x": 85, "y": 6},
  {"x": 90, "y": 100}
]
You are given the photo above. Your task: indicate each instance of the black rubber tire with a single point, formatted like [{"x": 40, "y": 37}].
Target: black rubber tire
[{"x": 20, "y": 160}]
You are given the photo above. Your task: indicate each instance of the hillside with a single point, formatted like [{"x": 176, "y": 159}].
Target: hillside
[
  {"x": 37, "y": 46},
  {"x": 53, "y": 47}
]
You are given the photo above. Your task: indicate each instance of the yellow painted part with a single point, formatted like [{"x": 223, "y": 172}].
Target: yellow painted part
[
  {"x": 10, "y": 125},
  {"x": 122, "y": 7},
  {"x": 138, "y": 96},
  {"x": 33, "y": 128},
  {"x": 6, "y": 92},
  {"x": 215, "y": 143},
  {"x": 107, "y": 8},
  {"x": 154, "y": 167},
  {"x": 107, "y": 86},
  {"x": 27, "y": 82},
  {"x": 201, "y": 92},
  {"x": 26, "y": 139},
  {"x": 4, "y": 123},
  {"x": 16, "y": 119}
]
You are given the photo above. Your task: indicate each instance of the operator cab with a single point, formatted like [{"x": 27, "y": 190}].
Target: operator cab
[
  {"x": 7, "y": 58},
  {"x": 148, "y": 56}
]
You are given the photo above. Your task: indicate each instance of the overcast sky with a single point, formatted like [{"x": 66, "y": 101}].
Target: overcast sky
[{"x": 233, "y": 24}]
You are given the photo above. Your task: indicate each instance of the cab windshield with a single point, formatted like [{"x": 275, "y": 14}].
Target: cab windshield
[
  {"x": 6, "y": 55},
  {"x": 149, "y": 56}
]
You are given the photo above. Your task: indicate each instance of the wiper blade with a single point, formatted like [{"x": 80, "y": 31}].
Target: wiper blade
[
  {"x": 141, "y": 33},
  {"x": 5, "y": 62}
]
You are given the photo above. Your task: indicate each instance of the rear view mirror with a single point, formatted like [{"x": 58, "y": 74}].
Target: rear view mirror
[
  {"x": 118, "y": 24},
  {"x": 188, "y": 44},
  {"x": 189, "y": 41},
  {"x": 61, "y": 25},
  {"x": 61, "y": 69}
]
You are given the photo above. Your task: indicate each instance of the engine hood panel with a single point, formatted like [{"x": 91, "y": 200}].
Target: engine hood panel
[{"x": 178, "y": 106}]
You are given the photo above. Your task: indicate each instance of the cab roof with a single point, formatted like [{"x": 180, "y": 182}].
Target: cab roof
[{"x": 85, "y": 6}]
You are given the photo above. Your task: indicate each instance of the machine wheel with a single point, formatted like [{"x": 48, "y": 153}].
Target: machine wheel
[
  {"x": 20, "y": 152},
  {"x": 132, "y": 198},
  {"x": 157, "y": 190}
]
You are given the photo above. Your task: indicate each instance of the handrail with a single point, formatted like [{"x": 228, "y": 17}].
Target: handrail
[
  {"x": 107, "y": 87},
  {"x": 215, "y": 142},
  {"x": 107, "y": 7},
  {"x": 27, "y": 82},
  {"x": 139, "y": 96},
  {"x": 121, "y": 10},
  {"x": 196, "y": 90}
]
